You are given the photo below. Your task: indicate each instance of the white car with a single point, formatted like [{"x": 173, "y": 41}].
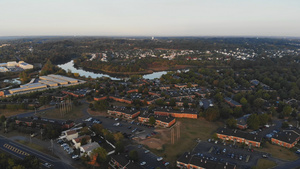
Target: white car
[
  {"x": 88, "y": 119},
  {"x": 143, "y": 163},
  {"x": 47, "y": 165},
  {"x": 159, "y": 158},
  {"x": 147, "y": 151}
]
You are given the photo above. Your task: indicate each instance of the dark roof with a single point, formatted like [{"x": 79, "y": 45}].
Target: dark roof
[
  {"x": 232, "y": 101},
  {"x": 287, "y": 136},
  {"x": 121, "y": 159},
  {"x": 243, "y": 120},
  {"x": 124, "y": 110},
  {"x": 240, "y": 134},
  {"x": 170, "y": 110},
  {"x": 254, "y": 82},
  {"x": 166, "y": 119},
  {"x": 205, "y": 103},
  {"x": 202, "y": 162},
  {"x": 185, "y": 158}
]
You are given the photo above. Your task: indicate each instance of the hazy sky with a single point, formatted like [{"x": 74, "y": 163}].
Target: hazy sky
[{"x": 150, "y": 17}]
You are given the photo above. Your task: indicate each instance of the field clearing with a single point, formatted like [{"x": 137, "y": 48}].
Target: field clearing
[
  {"x": 279, "y": 152},
  {"x": 265, "y": 164},
  {"x": 190, "y": 131},
  {"x": 8, "y": 113}
]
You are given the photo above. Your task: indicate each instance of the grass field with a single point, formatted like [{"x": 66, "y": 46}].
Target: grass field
[
  {"x": 191, "y": 130},
  {"x": 279, "y": 152},
  {"x": 8, "y": 113},
  {"x": 35, "y": 147},
  {"x": 75, "y": 113},
  {"x": 265, "y": 164}
]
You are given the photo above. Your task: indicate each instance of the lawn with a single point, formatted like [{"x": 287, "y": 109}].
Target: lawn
[
  {"x": 279, "y": 152},
  {"x": 265, "y": 164},
  {"x": 191, "y": 130},
  {"x": 8, "y": 113},
  {"x": 35, "y": 147},
  {"x": 75, "y": 113}
]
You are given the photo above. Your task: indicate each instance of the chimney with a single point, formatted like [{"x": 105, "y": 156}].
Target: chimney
[
  {"x": 205, "y": 161},
  {"x": 226, "y": 163}
]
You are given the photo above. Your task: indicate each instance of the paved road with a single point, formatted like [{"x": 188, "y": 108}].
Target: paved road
[
  {"x": 21, "y": 151},
  {"x": 289, "y": 165},
  {"x": 30, "y": 114}
]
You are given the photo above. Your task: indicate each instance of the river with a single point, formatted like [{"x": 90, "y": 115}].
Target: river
[{"x": 70, "y": 66}]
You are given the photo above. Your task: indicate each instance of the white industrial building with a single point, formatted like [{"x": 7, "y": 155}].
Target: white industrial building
[
  {"x": 43, "y": 83},
  {"x": 12, "y": 64},
  {"x": 3, "y": 69},
  {"x": 25, "y": 65}
]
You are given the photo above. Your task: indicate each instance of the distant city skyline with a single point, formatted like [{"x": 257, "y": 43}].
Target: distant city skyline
[{"x": 150, "y": 18}]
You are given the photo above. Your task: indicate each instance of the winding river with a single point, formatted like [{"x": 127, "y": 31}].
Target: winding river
[{"x": 70, "y": 66}]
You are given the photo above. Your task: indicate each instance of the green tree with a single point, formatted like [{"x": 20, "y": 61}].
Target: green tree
[
  {"x": 101, "y": 154},
  {"x": 287, "y": 110},
  {"x": 243, "y": 101},
  {"x": 263, "y": 119},
  {"x": 97, "y": 128},
  {"x": 152, "y": 120},
  {"x": 119, "y": 147},
  {"x": 231, "y": 123},
  {"x": 212, "y": 114},
  {"x": 253, "y": 121},
  {"x": 118, "y": 137},
  {"x": 133, "y": 155}
]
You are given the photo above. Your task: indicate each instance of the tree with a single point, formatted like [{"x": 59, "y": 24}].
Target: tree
[
  {"x": 287, "y": 110},
  {"x": 263, "y": 119},
  {"x": 97, "y": 128},
  {"x": 152, "y": 120},
  {"x": 253, "y": 121},
  {"x": 133, "y": 155},
  {"x": 231, "y": 123},
  {"x": 118, "y": 137},
  {"x": 258, "y": 103},
  {"x": 243, "y": 101},
  {"x": 238, "y": 112},
  {"x": 119, "y": 147},
  {"x": 101, "y": 154},
  {"x": 285, "y": 125},
  {"x": 212, "y": 114}
]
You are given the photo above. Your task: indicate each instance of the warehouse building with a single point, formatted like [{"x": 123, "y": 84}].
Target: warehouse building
[{"x": 43, "y": 83}]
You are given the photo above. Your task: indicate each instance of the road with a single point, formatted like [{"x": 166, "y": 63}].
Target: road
[
  {"x": 290, "y": 165},
  {"x": 30, "y": 114},
  {"x": 22, "y": 151}
]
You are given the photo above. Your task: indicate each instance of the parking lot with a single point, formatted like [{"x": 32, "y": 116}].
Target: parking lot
[
  {"x": 243, "y": 158},
  {"x": 148, "y": 157},
  {"x": 130, "y": 127}
]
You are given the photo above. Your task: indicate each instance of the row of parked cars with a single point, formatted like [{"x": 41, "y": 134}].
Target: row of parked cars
[{"x": 68, "y": 149}]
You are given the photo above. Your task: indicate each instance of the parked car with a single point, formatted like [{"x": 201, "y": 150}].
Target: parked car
[
  {"x": 159, "y": 158},
  {"x": 75, "y": 156},
  {"x": 147, "y": 151},
  {"x": 142, "y": 163}
]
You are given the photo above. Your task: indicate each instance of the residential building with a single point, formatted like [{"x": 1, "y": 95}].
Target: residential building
[
  {"x": 239, "y": 136},
  {"x": 286, "y": 139},
  {"x": 88, "y": 148}
]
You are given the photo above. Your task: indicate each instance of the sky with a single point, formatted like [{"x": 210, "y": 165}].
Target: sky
[{"x": 150, "y": 17}]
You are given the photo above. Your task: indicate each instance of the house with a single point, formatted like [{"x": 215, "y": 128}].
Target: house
[
  {"x": 242, "y": 122},
  {"x": 68, "y": 124},
  {"x": 120, "y": 99},
  {"x": 122, "y": 162},
  {"x": 232, "y": 103},
  {"x": 286, "y": 138},
  {"x": 71, "y": 134},
  {"x": 88, "y": 148},
  {"x": 77, "y": 141},
  {"x": 195, "y": 162},
  {"x": 124, "y": 112},
  {"x": 101, "y": 97},
  {"x": 181, "y": 113},
  {"x": 162, "y": 121},
  {"x": 239, "y": 136}
]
